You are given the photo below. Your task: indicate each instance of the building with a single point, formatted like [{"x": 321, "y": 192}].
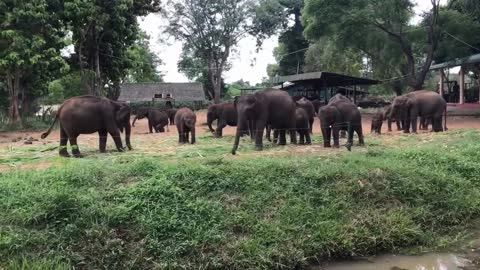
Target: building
[
  {"x": 162, "y": 92},
  {"x": 466, "y": 92},
  {"x": 323, "y": 85}
]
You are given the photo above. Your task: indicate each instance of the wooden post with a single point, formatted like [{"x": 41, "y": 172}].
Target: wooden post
[
  {"x": 442, "y": 79},
  {"x": 462, "y": 86}
]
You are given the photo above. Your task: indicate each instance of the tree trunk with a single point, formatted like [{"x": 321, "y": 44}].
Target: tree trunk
[
  {"x": 13, "y": 84},
  {"x": 98, "y": 79},
  {"x": 217, "y": 86}
]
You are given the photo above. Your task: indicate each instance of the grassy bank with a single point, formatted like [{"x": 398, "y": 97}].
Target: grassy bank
[{"x": 262, "y": 212}]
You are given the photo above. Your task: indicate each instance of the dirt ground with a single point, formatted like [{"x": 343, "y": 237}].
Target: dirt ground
[{"x": 12, "y": 144}]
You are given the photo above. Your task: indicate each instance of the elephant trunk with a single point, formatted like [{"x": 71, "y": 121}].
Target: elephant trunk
[
  {"x": 209, "y": 123},
  {"x": 134, "y": 119},
  {"x": 240, "y": 125},
  {"x": 445, "y": 120}
]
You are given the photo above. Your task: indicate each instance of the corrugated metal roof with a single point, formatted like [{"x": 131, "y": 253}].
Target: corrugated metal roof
[
  {"x": 141, "y": 92},
  {"x": 327, "y": 79},
  {"x": 455, "y": 63}
]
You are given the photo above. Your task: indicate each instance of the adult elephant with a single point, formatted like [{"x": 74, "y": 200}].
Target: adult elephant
[
  {"x": 340, "y": 114},
  {"x": 157, "y": 119},
  {"x": 309, "y": 108},
  {"x": 265, "y": 107},
  {"x": 89, "y": 114},
  {"x": 422, "y": 103}
]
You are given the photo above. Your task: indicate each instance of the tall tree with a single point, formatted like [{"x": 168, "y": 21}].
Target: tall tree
[
  {"x": 103, "y": 31},
  {"x": 353, "y": 22},
  {"x": 284, "y": 16},
  {"x": 209, "y": 30},
  {"x": 31, "y": 36}
]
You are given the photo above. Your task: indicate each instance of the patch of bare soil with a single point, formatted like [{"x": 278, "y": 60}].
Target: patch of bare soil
[{"x": 166, "y": 143}]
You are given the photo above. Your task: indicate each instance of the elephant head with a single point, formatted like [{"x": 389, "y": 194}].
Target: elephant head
[
  {"x": 247, "y": 108},
  {"x": 141, "y": 113},
  {"x": 190, "y": 121},
  {"x": 400, "y": 108},
  {"x": 212, "y": 115}
]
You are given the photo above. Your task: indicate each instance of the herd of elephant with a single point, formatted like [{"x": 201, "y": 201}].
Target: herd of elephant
[{"x": 267, "y": 109}]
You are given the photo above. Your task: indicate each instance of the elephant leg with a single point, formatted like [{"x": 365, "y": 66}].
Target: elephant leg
[
  {"x": 293, "y": 135},
  {"x": 150, "y": 126},
  {"x": 413, "y": 121},
  {"x": 268, "y": 135},
  {"x": 282, "y": 140},
  {"x": 192, "y": 135},
  {"x": 326, "y": 133},
  {"x": 406, "y": 125},
  {"x": 336, "y": 137},
  {"x": 275, "y": 136},
  {"x": 63, "y": 143},
  {"x": 180, "y": 136},
  {"x": 221, "y": 124},
  {"x": 308, "y": 139},
  {"x": 102, "y": 136},
  {"x": 311, "y": 125},
  {"x": 74, "y": 145},
  {"x": 343, "y": 134},
  {"x": 259, "y": 128},
  {"x": 116, "y": 138},
  {"x": 359, "y": 132},
  {"x": 380, "y": 124},
  {"x": 389, "y": 124},
  {"x": 301, "y": 134}
]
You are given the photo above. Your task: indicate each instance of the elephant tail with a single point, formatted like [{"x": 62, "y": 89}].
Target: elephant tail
[
  {"x": 445, "y": 120},
  {"x": 45, "y": 134}
]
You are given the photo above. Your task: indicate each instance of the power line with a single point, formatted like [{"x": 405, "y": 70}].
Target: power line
[{"x": 461, "y": 41}]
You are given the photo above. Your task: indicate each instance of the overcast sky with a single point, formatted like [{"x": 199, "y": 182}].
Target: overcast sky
[{"x": 246, "y": 63}]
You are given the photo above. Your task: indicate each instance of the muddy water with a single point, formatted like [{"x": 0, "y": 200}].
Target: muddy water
[{"x": 434, "y": 261}]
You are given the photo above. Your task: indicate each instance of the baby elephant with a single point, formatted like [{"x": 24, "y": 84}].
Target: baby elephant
[
  {"x": 156, "y": 119},
  {"x": 302, "y": 121},
  {"x": 377, "y": 121},
  {"x": 185, "y": 120}
]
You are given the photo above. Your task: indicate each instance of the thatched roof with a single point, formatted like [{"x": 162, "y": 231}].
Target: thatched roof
[{"x": 141, "y": 92}]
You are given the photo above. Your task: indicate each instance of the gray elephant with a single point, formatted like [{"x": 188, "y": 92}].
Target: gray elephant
[
  {"x": 225, "y": 114},
  {"x": 185, "y": 120},
  {"x": 340, "y": 114},
  {"x": 302, "y": 126},
  {"x": 392, "y": 118},
  {"x": 422, "y": 103},
  {"x": 90, "y": 114},
  {"x": 157, "y": 119},
  {"x": 377, "y": 121},
  {"x": 309, "y": 108},
  {"x": 265, "y": 107}
]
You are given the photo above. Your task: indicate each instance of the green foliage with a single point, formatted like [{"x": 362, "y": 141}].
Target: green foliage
[
  {"x": 324, "y": 56},
  {"x": 68, "y": 86},
  {"x": 381, "y": 31},
  {"x": 144, "y": 62},
  {"x": 204, "y": 211}
]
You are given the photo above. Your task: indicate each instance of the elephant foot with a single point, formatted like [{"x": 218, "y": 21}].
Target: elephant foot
[
  {"x": 327, "y": 145},
  {"x": 77, "y": 155},
  {"x": 349, "y": 146},
  {"x": 258, "y": 147},
  {"x": 336, "y": 146},
  {"x": 103, "y": 151},
  {"x": 129, "y": 147},
  {"x": 64, "y": 154}
]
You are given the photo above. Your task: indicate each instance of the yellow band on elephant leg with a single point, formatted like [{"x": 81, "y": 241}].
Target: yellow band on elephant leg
[
  {"x": 63, "y": 147},
  {"x": 74, "y": 147}
]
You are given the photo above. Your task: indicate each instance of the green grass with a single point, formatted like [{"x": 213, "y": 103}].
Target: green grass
[{"x": 199, "y": 209}]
